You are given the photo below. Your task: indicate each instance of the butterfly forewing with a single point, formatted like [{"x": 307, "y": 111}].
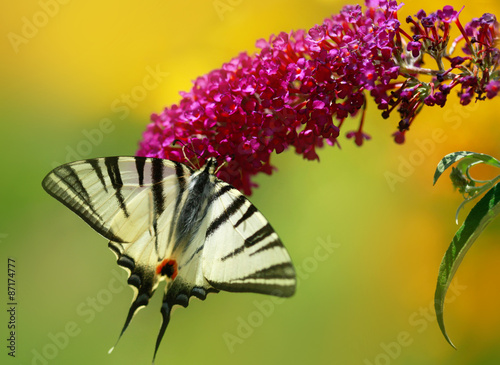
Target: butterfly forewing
[
  {"x": 111, "y": 192},
  {"x": 168, "y": 222},
  {"x": 252, "y": 258}
]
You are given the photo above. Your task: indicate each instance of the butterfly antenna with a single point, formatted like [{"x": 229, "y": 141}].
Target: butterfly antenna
[
  {"x": 224, "y": 163},
  {"x": 184, "y": 146}
]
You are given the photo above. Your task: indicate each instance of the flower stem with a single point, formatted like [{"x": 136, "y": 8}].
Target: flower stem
[{"x": 426, "y": 71}]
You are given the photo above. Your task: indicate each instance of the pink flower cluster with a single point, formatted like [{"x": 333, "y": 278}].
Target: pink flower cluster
[
  {"x": 301, "y": 86},
  {"x": 475, "y": 74}
]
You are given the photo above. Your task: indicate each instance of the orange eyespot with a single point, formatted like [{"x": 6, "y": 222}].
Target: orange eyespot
[{"x": 168, "y": 268}]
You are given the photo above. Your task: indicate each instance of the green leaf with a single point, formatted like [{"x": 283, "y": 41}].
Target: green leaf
[
  {"x": 479, "y": 217},
  {"x": 474, "y": 158}
]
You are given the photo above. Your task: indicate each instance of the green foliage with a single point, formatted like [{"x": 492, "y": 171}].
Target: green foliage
[{"x": 477, "y": 220}]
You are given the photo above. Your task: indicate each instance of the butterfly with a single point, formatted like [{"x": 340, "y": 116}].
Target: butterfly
[{"x": 168, "y": 222}]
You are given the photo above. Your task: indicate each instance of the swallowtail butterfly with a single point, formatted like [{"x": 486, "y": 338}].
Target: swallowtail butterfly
[{"x": 166, "y": 221}]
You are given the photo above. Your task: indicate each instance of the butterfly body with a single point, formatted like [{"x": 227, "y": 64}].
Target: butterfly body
[{"x": 168, "y": 222}]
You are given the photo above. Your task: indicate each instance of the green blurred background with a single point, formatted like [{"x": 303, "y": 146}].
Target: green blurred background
[{"x": 367, "y": 301}]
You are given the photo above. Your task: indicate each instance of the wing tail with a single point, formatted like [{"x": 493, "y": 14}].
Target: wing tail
[
  {"x": 139, "y": 302},
  {"x": 178, "y": 292},
  {"x": 165, "y": 313},
  {"x": 142, "y": 279}
]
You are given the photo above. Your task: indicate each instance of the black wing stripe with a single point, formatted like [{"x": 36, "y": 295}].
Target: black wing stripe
[
  {"x": 181, "y": 179},
  {"x": 98, "y": 170},
  {"x": 140, "y": 162},
  {"x": 196, "y": 252},
  {"x": 116, "y": 181},
  {"x": 238, "y": 250},
  {"x": 221, "y": 192},
  {"x": 157, "y": 187},
  {"x": 113, "y": 171},
  {"x": 270, "y": 245},
  {"x": 233, "y": 253},
  {"x": 69, "y": 180},
  {"x": 73, "y": 182},
  {"x": 250, "y": 211},
  {"x": 181, "y": 176},
  {"x": 258, "y": 236},
  {"x": 232, "y": 209},
  {"x": 278, "y": 271}
]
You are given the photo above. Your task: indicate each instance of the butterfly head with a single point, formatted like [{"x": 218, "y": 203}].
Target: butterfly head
[{"x": 211, "y": 165}]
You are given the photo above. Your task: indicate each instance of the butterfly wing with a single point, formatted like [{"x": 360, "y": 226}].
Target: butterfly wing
[
  {"x": 242, "y": 252},
  {"x": 165, "y": 221},
  {"x": 134, "y": 202},
  {"x": 120, "y": 197}
]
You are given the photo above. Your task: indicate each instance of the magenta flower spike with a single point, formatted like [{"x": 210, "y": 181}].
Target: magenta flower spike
[{"x": 300, "y": 88}]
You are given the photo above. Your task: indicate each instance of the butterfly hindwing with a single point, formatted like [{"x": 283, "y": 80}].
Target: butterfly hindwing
[{"x": 132, "y": 201}]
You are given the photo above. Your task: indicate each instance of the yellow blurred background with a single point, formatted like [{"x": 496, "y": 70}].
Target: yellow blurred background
[{"x": 71, "y": 76}]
